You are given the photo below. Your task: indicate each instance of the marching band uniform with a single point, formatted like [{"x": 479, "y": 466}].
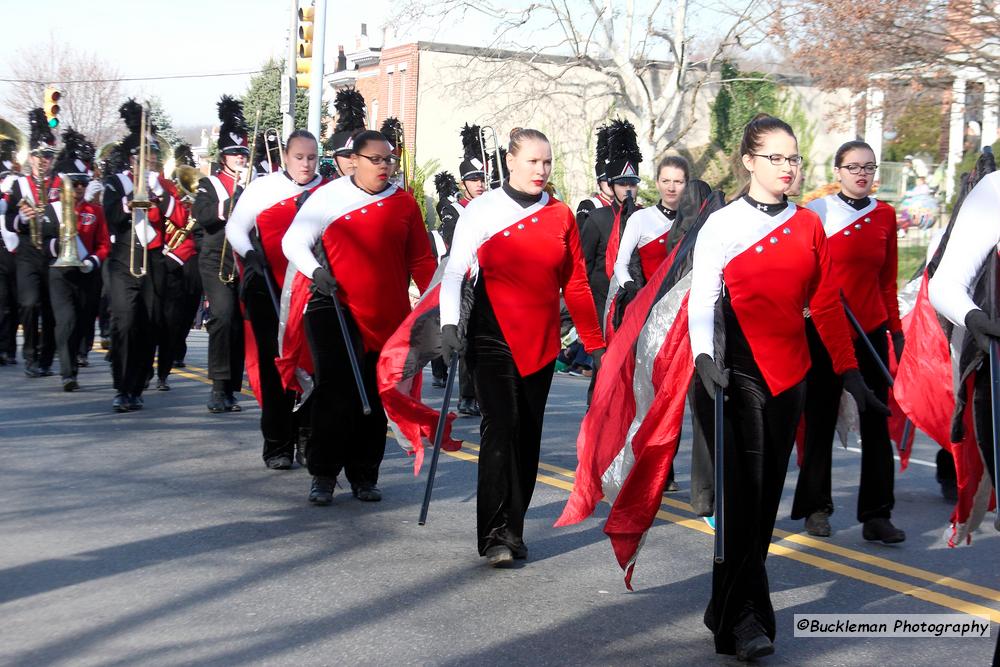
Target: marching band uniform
[
  {"x": 183, "y": 280},
  {"x": 521, "y": 250},
  {"x": 37, "y": 320},
  {"x": 267, "y": 158},
  {"x": 772, "y": 259},
  {"x": 861, "y": 241},
  {"x": 256, "y": 227},
  {"x": 372, "y": 243},
  {"x": 75, "y": 292},
  {"x": 599, "y": 199},
  {"x": 133, "y": 299},
  {"x": 216, "y": 199},
  {"x": 8, "y": 265},
  {"x": 448, "y": 194}
]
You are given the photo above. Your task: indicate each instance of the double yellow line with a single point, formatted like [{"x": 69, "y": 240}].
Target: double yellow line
[{"x": 794, "y": 546}]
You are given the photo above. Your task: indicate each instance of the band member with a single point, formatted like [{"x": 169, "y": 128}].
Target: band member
[
  {"x": 772, "y": 258},
  {"x": 371, "y": 241},
  {"x": 216, "y": 199},
  {"x": 26, "y": 217},
  {"x": 255, "y": 230},
  {"x": 351, "y": 119},
  {"x": 392, "y": 130},
  {"x": 448, "y": 194},
  {"x": 76, "y": 291},
  {"x": 267, "y": 154},
  {"x": 9, "y": 172},
  {"x": 130, "y": 280},
  {"x": 604, "y": 195},
  {"x": 861, "y": 238},
  {"x": 183, "y": 278},
  {"x": 521, "y": 247}
]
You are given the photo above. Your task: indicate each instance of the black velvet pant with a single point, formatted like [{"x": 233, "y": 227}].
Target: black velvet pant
[
  {"x": 225, "y": 327},
  {"x": 9, "y": 312},
  {"x": 92, "y": 288},
  {"x": 37, "y": 319},
  {"x": 187, "y": 283},
  {"x": 343, "y": 438},
  {"x": 277, "y": 421},
  {"x": 823, "y": 390},
  {"x": 72, "y": 294},
  {"x": 759, "y": 434},
  {"x": 164, "y": 307},
  {"x": 131, "y": 326}
]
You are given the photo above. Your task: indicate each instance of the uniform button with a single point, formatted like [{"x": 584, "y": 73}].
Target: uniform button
[
  {"x": 663, "y": 240},
  {"x": 868, "y": 219},
  {"x": 379, "y": 204},
  {"x": 506, "y": 233},
  {"x": 857, "y": 226},
  {"x": 534, "y": 219},
  {"x": 347, "y": 217},
  {"x": 786, "y": 230},
  {"x": 774, "y": 239},
  {"x": 364, "y": 210},
  {"x": 521, "y": 226},
  {"x": 759, "y": 248},
  {"x": 847, "y": 232}
]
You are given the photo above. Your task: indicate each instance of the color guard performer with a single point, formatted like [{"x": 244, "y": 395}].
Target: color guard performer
[
  {"x": 255, "y": 229},
  {"x": 765, "y": 258},
  {"x": 9, "y": 172},
  {"x": 861, "y": 240},
  {"x": 76, "y": 291},
  {"x": 28, "y": 197},
  {"x": 370, "y": 240},
  {"x": 351, "y": 120},
  {"x": 521, "y": 247},
  {"x": 604, "y": 195},
  {"x": 214, "y": 203}
]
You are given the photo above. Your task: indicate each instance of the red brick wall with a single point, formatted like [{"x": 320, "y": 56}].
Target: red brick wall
[{"x": 376, "y": 89}]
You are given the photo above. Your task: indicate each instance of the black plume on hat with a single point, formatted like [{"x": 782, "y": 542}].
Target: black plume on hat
[
  {"x": 40, "y": 138},
  {"x": 446, "y": 186},
  {"x": 76, "y": 155},
  {"x": 472, "y": 167},
  {"x": 393, "y": 131},
  {"x": 601, "y": 154},
  {"x": 183, "y": 155},
  {"x": 233, "y": 127},
  {"x": 623, "y": 151},
  {"x": 131, "y": 112},
  {"x": 351, "y": 114},
  {"x": 498, "y": 171},
  {"x": 7, "y": 149}
]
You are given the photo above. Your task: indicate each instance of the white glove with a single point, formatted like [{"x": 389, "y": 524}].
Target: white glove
[
  {"x": 93, "y": 191},
  {"x": 89, "y": 264},
  {"x": 154, "y": 184}
]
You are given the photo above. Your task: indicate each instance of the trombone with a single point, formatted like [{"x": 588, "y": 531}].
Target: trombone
[
  {"x": 490, "y": 151},
  {"x": 272, "y": 138},
  {"x": 140, "y": 203},
  {"x": 224, "y": 278}
]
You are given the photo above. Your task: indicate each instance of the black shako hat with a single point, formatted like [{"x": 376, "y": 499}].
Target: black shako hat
[
  {"x": 623, "y": 153},
  {"x": 233, "y": 128},
  {"x": 352, "y": 117},
  {"x": 472, "y": 167}
]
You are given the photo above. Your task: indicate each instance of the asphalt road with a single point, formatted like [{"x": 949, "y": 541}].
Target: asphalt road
[{"x": 159, "y": 538}]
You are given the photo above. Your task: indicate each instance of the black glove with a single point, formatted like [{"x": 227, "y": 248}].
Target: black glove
[
  {"x": 982, "y": 328},
  {"x": 451, "y": 343},
  {"x": 253, "y": 263},
  {"x": 863, "y": 396},
  {"x": 711, "y": 375},
  {"x": 596, "y": 357},
  {"x": 324, "y": 281},
  {"x": 624, "y": 297},
  {"x": 898, "y": 341}
]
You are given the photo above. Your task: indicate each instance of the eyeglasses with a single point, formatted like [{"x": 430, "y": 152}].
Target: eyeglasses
[
  {"x": 858, "y": 168},
  {"x": 777, "y": 159},
  {"x": 378, "y": 159}
]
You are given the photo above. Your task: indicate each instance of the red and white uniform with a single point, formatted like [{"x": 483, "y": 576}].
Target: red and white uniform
[
  {"x": 269, "y": 204},
  {"x": 525, "y": 255},
  {"x": 646, "y": 230},
  {"x": 772, "y": 268},
  {"x": 862, "y": 246},
  {"x": 373, "y": 243},
  {"x": 180, "y": 217},
  {"x": 93, "y": 241}
]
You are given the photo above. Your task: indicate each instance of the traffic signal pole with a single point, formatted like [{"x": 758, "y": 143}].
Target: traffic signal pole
[
  {"x": 288, "y": 76},
  {"x": 316, "y": 83}
]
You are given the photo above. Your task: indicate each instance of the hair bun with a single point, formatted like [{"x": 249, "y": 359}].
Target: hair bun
[
  {"x": 760, "y": 116},
  {"x": 514, "y": 131}
]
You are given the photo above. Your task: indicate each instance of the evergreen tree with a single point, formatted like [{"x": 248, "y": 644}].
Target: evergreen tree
[
  {"x": 264, "y": 93},
  {"x": 164, "y": 124}
]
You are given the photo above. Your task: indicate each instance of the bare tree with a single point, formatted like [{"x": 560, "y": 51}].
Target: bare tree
[
  {"x": 90, "y": 86},
  {"x": 640, "y": 55}
]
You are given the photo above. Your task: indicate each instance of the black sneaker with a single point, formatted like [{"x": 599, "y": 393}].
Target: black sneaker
[
  {"x": 469, "y": 407},
  {"x": 304, "y": 433},
  {"x": 321, "y": 491},
  {"x": 120, "y": 404},
  {"x": 217, "y": 403},
  {"x": 439, "y": 383},
  {"x": 135, "y": 402},
  {"x": 31, "y": 370},
  {"x": 818, "y": 524},
  {"x": 280, "y": 462},
  {"x": 70, "y": 384},
  {"x": 751, "y": 640},
  {"x": 82, "y": 361},
  {"x": 672, "y": 487},
  {"x": 499, "y": 555},
  {"x": 3, "y": 359},
  {"x": 367, "y": 494},
  {"x": 105, "y": 344},
  {"x": 161, "y": 385},
  {"x": 180, "y": 364},
  {"x": 882, "y": 530},
  {"x": 46, "y": 371},
  {"x": 231, "y": 404}
]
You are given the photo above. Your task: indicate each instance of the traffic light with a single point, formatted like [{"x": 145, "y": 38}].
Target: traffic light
[
  {"x": 51, "y": 106},
  {"x": 303, "y": 63}
]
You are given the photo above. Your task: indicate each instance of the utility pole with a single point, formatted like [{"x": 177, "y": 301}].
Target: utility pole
[
  {"x": 316, "y": 84},
  {"x": 288, "y": 76}
]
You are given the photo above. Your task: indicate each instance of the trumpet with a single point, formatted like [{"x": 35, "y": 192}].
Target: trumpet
[
  {"x": 69, "y": 256},
  {"x": 245, "y": 176},
  {"x": 273, "y": 138},
  {"x": 140, "y": 203},
  {"x": 491, "y": 155},
  {"x": 186, "y": 178}
]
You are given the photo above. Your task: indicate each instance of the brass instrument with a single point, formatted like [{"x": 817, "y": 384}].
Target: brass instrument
[
  {"x": 272, "y": 138},
  {"x": 35, "y": 224},
  {"x": 140, "y": 203},
  {"x": 186, "y": 178},
  {"x": 491, "y": 154},
  {"x": 227, "y": 279},
  {"x": 69, "y": 257},
  {"x": 405, "y": 162}
]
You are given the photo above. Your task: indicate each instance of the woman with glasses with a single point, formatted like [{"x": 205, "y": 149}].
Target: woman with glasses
[
  {"x": 861, "y": 237},
  {"x": 763, "y": 258},
  {"x": 520, "y": 247},
  {"x": 371, "y": 240}
]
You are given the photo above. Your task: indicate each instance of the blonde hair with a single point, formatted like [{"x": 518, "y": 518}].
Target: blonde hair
[{"x": 520, "y": 134}]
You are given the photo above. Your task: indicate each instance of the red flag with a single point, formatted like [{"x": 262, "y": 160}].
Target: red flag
[{"x": 294, "y": 360}]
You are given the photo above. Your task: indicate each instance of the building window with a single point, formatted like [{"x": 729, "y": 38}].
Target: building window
[{"x": 388, "y": 106}]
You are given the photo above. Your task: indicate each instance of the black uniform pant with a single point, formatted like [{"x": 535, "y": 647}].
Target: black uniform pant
[
  {"x": 823, "y": 391},
  {"x": 131, "y": 327},
  {"x": 187, "y": 284},
  {"x": 164, "y": 306},
  {"x": 277, "y": 421},
  {"x": 93, "y": 286},
  {"x": 225, "y": 327},
  {"x": 343, "y": 438},
  {"x": 72, "y": 292},
  {"x": 9, "y": 314},
  {"x": 702, "y": 449},
  {"x": 759, "y": 434},
  {"x": 104, "y": 309},
  {"x": 37, "y": 319}
]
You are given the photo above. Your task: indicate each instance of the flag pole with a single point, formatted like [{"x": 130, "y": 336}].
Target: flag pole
[
  {"x": 720, "y": 489},
  {"x": 439, "y": 438}
]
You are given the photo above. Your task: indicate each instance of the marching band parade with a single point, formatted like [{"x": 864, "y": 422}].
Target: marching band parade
[{"x": 768, "y": 326}]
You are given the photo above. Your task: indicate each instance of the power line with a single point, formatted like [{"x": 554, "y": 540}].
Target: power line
[{"x": 144, "y": 78}]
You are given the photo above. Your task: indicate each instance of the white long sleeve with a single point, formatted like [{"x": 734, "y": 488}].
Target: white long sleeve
[
  {"x": 645, "y": 226},
  {"x": 975, "y": 235},
  {"x": 706, "y": 285},
  {"x": 261, "y": 194}
]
